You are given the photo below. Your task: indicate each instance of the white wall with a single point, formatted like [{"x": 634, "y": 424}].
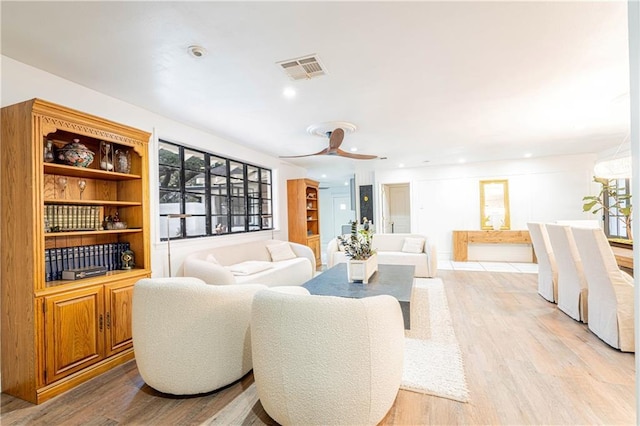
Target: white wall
[
  {"x": 447, "y": 198},
  {"x": 21, "y": 82}
]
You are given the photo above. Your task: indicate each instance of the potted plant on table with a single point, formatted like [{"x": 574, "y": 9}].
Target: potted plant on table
[{"x": 358, "y": 247}]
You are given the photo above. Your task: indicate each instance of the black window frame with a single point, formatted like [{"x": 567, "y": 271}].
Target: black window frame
[
  {"x": 183, "y": 191},
  {"x": 621, "y": 187}
]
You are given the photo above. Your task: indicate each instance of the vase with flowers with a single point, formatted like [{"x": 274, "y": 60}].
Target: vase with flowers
[{"x": 358, "y": 248}]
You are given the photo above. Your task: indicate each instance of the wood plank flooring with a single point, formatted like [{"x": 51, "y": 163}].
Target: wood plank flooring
[{"x": 526, "y": 363}]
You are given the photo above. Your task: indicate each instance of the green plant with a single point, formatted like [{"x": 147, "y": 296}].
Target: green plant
[
  {"x": 358, "y": 245},
  {"x": 610, "y": 201}
]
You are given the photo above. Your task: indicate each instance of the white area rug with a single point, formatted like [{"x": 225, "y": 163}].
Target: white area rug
[{"x": 432, "y": 359}]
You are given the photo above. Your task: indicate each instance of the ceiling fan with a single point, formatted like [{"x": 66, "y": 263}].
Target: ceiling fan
[{"x": 335, "y": 140}]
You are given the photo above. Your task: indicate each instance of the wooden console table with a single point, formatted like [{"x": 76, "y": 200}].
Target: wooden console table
[
  {"x": 624, "y": 257},
  {"x": 462, "y": 239}
]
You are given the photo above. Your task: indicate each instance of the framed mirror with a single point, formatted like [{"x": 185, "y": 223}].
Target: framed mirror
[{"x": 494, "y": 204}]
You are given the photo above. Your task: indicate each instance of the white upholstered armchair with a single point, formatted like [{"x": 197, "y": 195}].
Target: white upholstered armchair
[
  {"x": 326, "y": 360},
  {"x": 190, "y": 337}
]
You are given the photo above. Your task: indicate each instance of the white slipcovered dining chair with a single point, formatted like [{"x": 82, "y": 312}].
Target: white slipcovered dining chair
[
  {"x": 326, "y": 360},
  {"x": 611, "y": 308},
  {"x": 572, "y": 285},
  {"x": 190, "y": 337},
  {"x": 547, "y": 270}
]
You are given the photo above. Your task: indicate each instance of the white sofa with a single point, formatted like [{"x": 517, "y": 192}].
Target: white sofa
[
  {"x": 251, "y": 263},
  {"x": 324, "y": 360},
  {"x": 389, "y": 248}
]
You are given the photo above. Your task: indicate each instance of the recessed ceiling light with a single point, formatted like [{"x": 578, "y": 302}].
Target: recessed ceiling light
[
  {"x": 197, "y": 51},
  {"x": 289, "y": 92},
  {"x": 401, "y": 165},
  {"x": 462, "y": 160},
  {"x": 323, "y": 176},
  {"x": 346, "y": 183},
  {"x": 354, "y": 149},
  {"x": 528, "y": 155}
]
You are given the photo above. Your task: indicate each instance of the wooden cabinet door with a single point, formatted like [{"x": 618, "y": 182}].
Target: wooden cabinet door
[
  {"x": 314, "y": 244},
  {"x": 118, "y": 298},
  {"x": 73, "y": 331}
]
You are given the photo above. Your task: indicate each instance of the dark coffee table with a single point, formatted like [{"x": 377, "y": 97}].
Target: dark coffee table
[{"x": 394, "y": 280}]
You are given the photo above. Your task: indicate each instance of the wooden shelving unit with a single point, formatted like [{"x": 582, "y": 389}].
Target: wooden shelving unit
[
  {"x": 57, "y": 334},
  {"x": 304, "y": 219}
]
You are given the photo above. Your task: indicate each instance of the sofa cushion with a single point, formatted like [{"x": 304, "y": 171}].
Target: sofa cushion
[
  {"x": 281, "y": 251},
  {"x": 286, "y": 272},
  {"x": 388, "y": 242},
  {"x": 413, "y": 245},
  {"x": 249, "y": 267},
  {"x": 211, "y": 258}
]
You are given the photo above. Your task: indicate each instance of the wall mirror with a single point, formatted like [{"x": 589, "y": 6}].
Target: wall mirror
[{"x": 494, "y": 204}]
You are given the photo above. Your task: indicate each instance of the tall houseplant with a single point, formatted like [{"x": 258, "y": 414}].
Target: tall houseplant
[{"x": 609, "y": 200}]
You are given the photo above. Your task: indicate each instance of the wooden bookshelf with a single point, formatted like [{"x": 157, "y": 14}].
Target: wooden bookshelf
[{"x": 56, "y": 335}]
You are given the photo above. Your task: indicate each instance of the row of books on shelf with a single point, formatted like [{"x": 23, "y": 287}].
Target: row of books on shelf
[
  {"x": 61, "y": 217},
  {"x": 67, "y": 258}
]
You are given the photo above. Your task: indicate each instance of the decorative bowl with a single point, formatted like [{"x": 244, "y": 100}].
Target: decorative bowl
[
  {"x": 116, "y": 225},
  {"x": 76, "y": 154}
]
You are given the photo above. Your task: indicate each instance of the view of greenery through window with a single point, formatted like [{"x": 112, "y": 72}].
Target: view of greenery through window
[
  {"x": 619, "y": 202},
  {"x": 222, "y": 196}
]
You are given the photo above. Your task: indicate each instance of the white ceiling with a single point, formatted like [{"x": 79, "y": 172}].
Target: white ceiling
[{"x": 422, "y": 81}]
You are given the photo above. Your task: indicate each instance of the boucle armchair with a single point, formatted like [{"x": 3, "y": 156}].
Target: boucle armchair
[
  {"x": 611, "y": 308},
  {"x": 547, "y": 269},
  {"x": 326, "y": 360},
  {"x": 190, "y": 337}
]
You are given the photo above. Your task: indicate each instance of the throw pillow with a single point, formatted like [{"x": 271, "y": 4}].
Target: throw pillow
[
  {"x": 281, "y": 251},
  {"x": 413, "y": 245},
  {"x": 249, "y": 267}
]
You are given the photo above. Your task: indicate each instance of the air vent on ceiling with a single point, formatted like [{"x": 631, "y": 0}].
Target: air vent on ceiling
[{"x": 303, "y": 68}]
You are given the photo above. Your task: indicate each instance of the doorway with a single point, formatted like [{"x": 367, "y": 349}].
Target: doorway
[{"x": 396, "y": 208}]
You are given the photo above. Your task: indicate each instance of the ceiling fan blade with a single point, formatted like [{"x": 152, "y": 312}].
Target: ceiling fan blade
[
  {"x": 342, "y": 153},
  {"x": 335, "y": 140},
  {"x": 323, "y": 152}
]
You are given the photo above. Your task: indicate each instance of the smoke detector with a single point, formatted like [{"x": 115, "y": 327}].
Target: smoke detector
[{"x": 197, "y": 51}]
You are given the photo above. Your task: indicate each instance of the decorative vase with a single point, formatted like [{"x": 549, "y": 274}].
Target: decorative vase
[
  {"x": 48, "y": 152},
  {"x": 362, "y": 270},
  {"x": 76, "y": 154},
  {"x": 122, "y": 161}
]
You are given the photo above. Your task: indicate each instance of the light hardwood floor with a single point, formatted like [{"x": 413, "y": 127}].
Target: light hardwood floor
[{"x": 526, "y": 363}]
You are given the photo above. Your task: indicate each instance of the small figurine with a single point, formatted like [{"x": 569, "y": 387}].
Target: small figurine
[
  {"x": 365, "y": 223},
  {"x": 127, "y": 259}
]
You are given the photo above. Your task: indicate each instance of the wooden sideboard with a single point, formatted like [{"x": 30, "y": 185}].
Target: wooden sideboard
[{"x": 462, "y": 239}]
